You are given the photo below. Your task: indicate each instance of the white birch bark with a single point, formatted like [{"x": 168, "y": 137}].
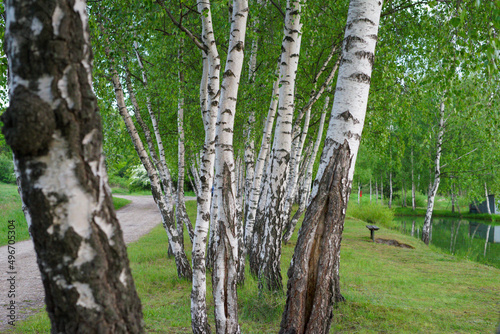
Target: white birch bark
[
  {"x": 370, "y": 189},
  {"x": 269, "y": 255},
  {"x": 390, "y": 189},
  {"x": 314, "y": 275},
  {"x": 487, "y": 199},
  {"x": 413, "y": 190},
  {"x": 253, "y": 197},
  {"x": 224, "y": 274},
  {"x": 250, "y": 145},
  {"x": 426, "y": 230},
  {"x": 209, "y": 101},
  {"x": 306, "y": 191}
]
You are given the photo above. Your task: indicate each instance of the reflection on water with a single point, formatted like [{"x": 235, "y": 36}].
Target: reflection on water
[{"x": 465, "y": 238}]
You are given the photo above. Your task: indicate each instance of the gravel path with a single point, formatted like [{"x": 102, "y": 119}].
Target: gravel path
[{"x": 136, "y": 219}]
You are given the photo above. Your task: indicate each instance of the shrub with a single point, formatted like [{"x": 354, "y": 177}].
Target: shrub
[
  {"x": 373, "y": 213},
  {"x": 6, "y": 169},
  {"x": 139, "y": 179}
]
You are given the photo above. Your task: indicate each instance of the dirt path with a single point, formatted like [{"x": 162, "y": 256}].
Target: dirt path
[{"x": 136, "y": 219}]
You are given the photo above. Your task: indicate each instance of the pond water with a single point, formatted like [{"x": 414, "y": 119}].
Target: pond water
[{"x": 460, "y": 237}]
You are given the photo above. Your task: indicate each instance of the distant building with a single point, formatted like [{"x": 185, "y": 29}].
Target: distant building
[
  {"x": 482, "y": 208},
  {"x": 481, "y": 230}
]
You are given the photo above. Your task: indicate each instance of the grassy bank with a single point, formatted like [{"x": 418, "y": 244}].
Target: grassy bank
[
  {"x": 11, "y": 209},
  {"x": 388, "y": 289}
]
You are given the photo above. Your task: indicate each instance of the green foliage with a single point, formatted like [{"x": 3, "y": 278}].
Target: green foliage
[
  {"x": 6, "y": 169},
  {"x": 371, "y": 213}
]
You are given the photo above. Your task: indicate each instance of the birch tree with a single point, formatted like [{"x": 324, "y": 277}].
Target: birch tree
[
  {"x": 54, "y": 130},
  {"x": 224, "y": 274},
  {"x": 266, "y": 247},
  {"x": 313, "y": 284},
  {"x": 426, "y": 229}
]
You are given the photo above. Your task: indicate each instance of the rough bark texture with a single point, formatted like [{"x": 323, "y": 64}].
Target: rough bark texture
[
  {"x": 253, "y": 198},
  {"x": 226, "y": 241},
  {"x": 314, "y": 280},
  {"x": 54, "y": 129},
  {"x": 266, "y": 250},
  {"x": 312, "y": 276}
]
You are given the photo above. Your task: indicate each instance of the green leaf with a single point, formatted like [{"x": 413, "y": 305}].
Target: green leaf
[{"x": 455, "y": 22}]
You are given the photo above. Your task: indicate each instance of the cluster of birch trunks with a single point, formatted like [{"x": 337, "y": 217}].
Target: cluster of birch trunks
[
  {"x": 248, "y": 213},
  {"x": 244, "y": 207}
]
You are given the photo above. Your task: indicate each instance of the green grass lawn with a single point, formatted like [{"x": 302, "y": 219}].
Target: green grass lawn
[
  {"x": 11, "y": 209},
  {"x": 388, "y": 289}
]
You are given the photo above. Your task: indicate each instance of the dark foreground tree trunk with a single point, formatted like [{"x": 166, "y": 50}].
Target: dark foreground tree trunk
[
  {"x": 314, "y": 274},
  {"x": 54, "y": 129}
]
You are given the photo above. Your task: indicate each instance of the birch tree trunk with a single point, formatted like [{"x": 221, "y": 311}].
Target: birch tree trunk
[
  {"x": 209, "y": 102},
  {"x": 306, "y": 188},
  {"x": 370, "y": 189},
  {"x": 54, "y": 129},
  {"x": 390, "y": 189},
  {"x": 164, "y": 173},
  {"x": 313, "y": 284},
  {"x": 487, "y": 198},
  {"x": 180, "y": 207},
  {"x": 268, "y": 255},
  {"x": 413, "y": 200},
  {"x": 224, "y": 274},
  {"x": 426, "y": 230},
  {"x": 163, "y": 201},
  {"x": 253, "y": 198}
]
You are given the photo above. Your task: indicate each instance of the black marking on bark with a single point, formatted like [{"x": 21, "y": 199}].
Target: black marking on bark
[
  {"x": 350, "y": 135},
  {"x": 360, "y": 77},
  {"x": 227, "y": 111},
  {"x": 294, "y": 12},
  {"x": 364, "y": 19},
  {"x": 29, "y": 123},
  {"x": 288, "y": 39},
  {"x": 238, "y": 47},
  {"x": 365, "y": 54},
  {"x": 346, "y": 61},
  {"x": 374, "y": 37},
  {"x": 346, "y": 115},
  {"x": 228, "y": 73},
  {"x": 351, "y": 40},
  {"x": 294, "y": 55}
]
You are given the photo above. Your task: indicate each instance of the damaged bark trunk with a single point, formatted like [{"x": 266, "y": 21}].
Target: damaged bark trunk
[
  {"x": 54, "y": 129},
  {"x": 314, "y": 281}
]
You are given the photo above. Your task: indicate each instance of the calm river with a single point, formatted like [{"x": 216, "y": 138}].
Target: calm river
[{"x": 460, "y": 237}]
